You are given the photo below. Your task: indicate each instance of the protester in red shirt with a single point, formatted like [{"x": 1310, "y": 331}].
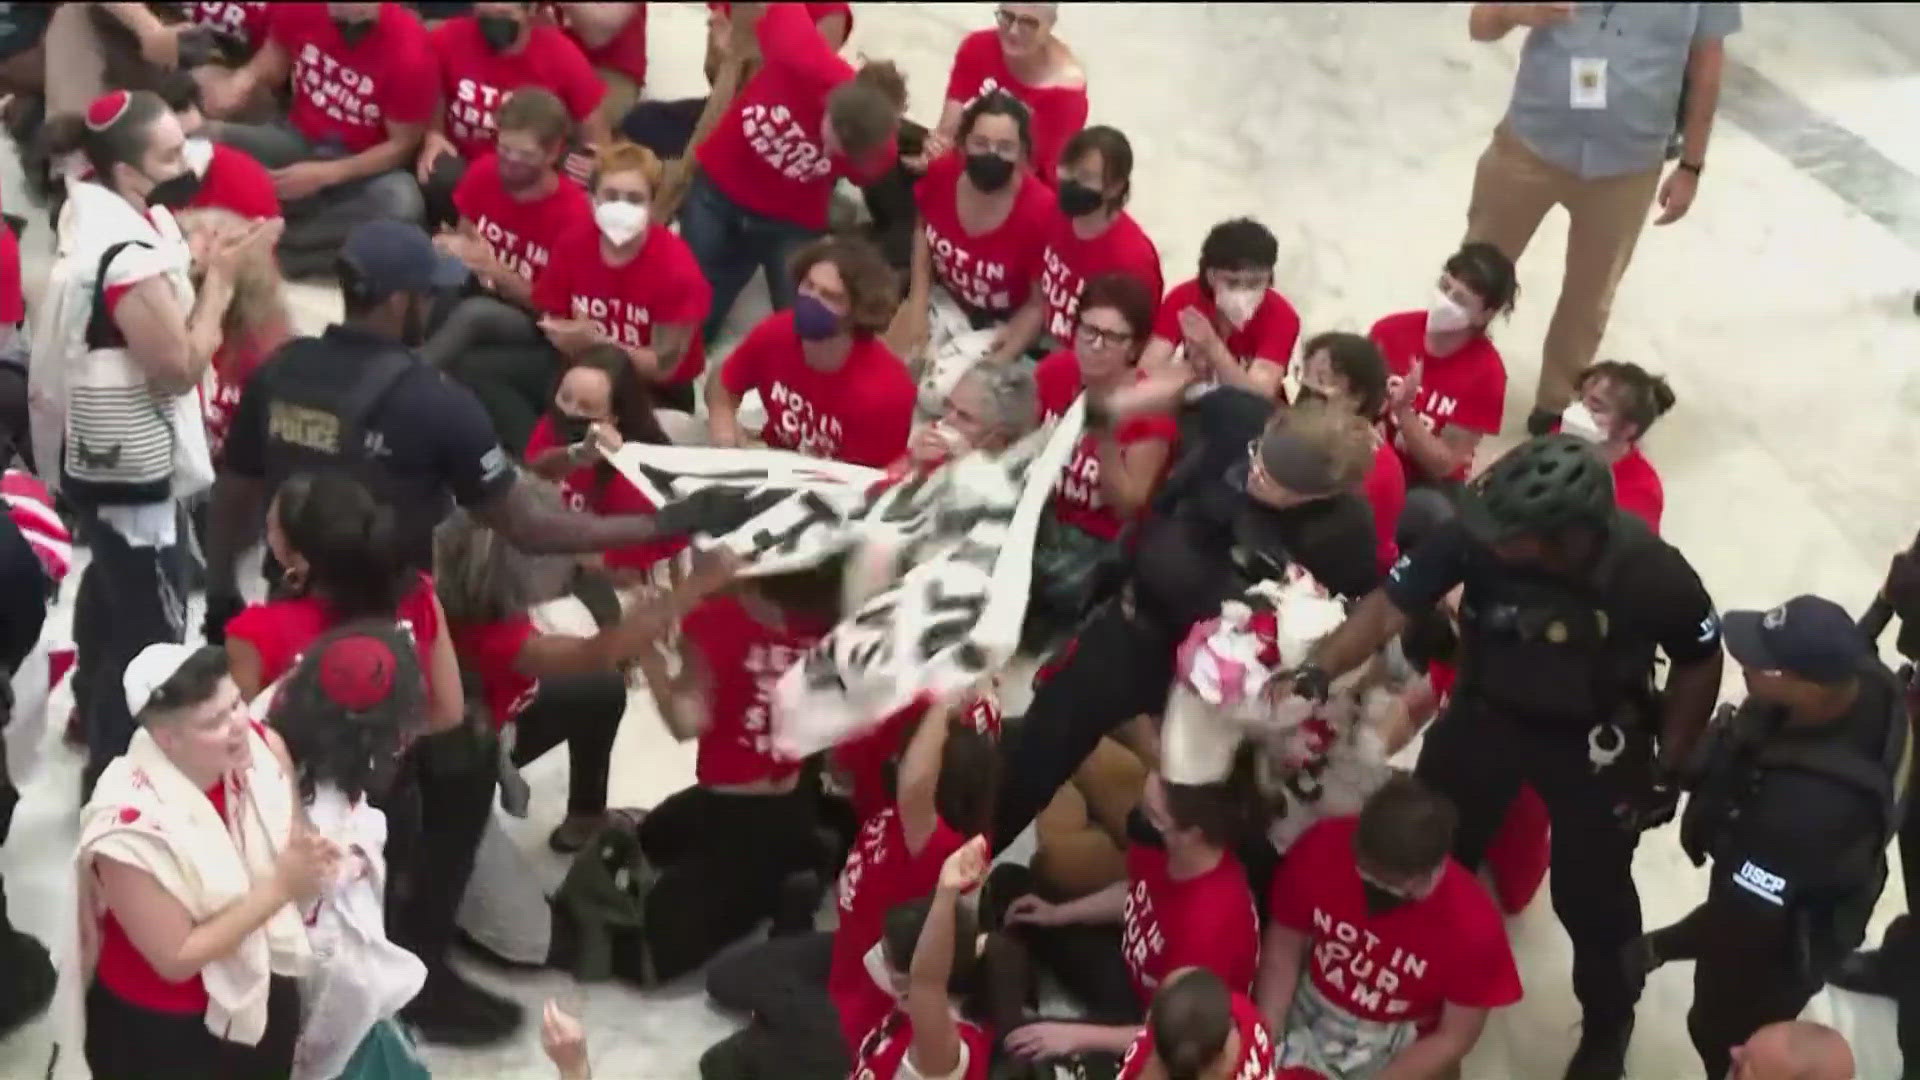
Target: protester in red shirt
[
  {"x": 830, "y": 387},
  {"x": 1185, "y": 903},
  {"x": 989, "y": 409},
  {"x": 245, "y": 23},
  {"x": 1231, "y": 327},
  {"x": 1093, "y": 236},
  {"x": 359, "y": 80},
  {"x": 1404, "y": 951},
  {"x": 1024, "y": 58},
  {"x": 766, "y": 173},
  {"x": 629, "y": 280},
  {"x": 484, "y": 57},
  {"x": 1201, "y": 1028},
  {"x": 1614, "y": 404},
  {"x": 1449, "y": 385},
  {"x": 1348, "y": 371},
  {"x": 983, "y": 219},
  {"x": 613, "y": 37},
  {"x": 514, "y": 205},
  {"x": 256, "y": 322},
  {"x": 229, "y": 179}
]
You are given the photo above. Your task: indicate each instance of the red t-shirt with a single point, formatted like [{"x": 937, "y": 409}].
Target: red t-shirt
[
  {"x": 13, "y": 304},
  {"x": 1059, "y": 112},
  {"x": 280, "y": 630},
  {"x": 348, "y": 95},
  {"x": 625, "y": 52},
  {"x": 492, "y": 651},
  {"x": 880, "y": 873},
  {"x": 1076, "y": 497},
  {"x": 880, "y": 1055},
  {"x": 246, "y": 21},
  {"x": 1467, "y": 388},
  {"x": 124, "y": 970},
  {"x": 766, "y": 154},
  {"x": 816, "y": 12},
  {"x": 580, "y": 488},
  {"x": 859, "y": 414},
  {"x": 1379, "y": 982},
  {"x": 1207, "y": 921},
  {"x": 234, "y": 181},
  {"x": 1386, "y": 491},
  {"x": 1259, "y": 1055},
  {"x": 1637, "y": 488},
  {"x": 522, "y": 233},
  {"x": 994, "y": 271},
  {"x": 745, "y": 658},
  {"x": 662, "y": 285},
  {"x": 233, "y": 364},
  {"x": 1270, "y": 335},
  {"x": 474, "y": 79},
  {"x": 1069, "y": 262}
]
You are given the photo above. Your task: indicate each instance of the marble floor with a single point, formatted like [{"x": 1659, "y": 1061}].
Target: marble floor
[{"x": 1781, "y": 308}]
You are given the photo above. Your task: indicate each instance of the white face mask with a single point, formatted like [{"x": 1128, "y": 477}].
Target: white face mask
[
  {"x": 1445, "y": 316},
  {"x": 199, "y": 153},
  {"x": 1579, "y": 420},
  {"x": 620, "y": 222},
  {"x": 1238, "y": 305}
]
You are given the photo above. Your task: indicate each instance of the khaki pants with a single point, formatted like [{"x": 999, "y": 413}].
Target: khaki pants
[
  {"x": 1513, "y": 188},
  {"x": 621, "y": 94},
  {"x": 1078, "y": 851}
]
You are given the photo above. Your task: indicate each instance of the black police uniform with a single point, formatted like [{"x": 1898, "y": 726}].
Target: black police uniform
[
  {"x": 1555, "y": 690},
  {"x": 1797, "y": 869},
  {"x": 26, "y": 973}
]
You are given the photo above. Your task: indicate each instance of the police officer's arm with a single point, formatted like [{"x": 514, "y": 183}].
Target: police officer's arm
[
  {"x": 1681, "y": 616},
  {"x": 536, "y": 526},
  {"x": 1788, "y": 848},
  {"x": 1417, "y": 582}
]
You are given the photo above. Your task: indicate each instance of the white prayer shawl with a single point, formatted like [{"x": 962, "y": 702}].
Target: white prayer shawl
[
  {"x": 147, "y": 814},
  {"x": 359, "y": 976},
  {"x": 938, "y": 580}
]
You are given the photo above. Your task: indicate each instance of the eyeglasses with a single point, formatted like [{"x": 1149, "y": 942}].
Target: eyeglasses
[
  {"x": 1010, "y": 20},
  {"x": 531, "y": 161},
  {"x": 1098, "y": 337}
]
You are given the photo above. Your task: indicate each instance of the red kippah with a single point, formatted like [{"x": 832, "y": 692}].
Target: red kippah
[
  {"x": 357, "y": 672},
  {"x": 107, "y": 108}
]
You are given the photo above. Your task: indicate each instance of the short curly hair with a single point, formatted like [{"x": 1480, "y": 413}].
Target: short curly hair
[
  {"x": 354, "y": 749},
  {"x": 873, "y": 292},
  {"x": 623, "y": 156}
]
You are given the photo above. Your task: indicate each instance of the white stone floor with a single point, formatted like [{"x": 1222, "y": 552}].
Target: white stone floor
[{"x": 1780, "y": 312}]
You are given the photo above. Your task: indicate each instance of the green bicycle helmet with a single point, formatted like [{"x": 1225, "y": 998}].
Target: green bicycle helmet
[{"x": 1539, "y": 487}]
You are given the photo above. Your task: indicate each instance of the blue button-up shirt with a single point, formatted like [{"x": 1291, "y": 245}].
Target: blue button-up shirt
[{"x": 1646, "y": 47}]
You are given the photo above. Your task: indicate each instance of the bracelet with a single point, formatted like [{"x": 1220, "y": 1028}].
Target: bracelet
[{"x": 1693, "y": 167}]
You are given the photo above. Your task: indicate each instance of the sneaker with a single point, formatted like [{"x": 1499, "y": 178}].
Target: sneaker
[
  {"x": 30, "y": 982},
  {"x": 1540, "y": 422},
  {"x": 1602, "y": 1053},
  {"x": 451, "y": 1011}
]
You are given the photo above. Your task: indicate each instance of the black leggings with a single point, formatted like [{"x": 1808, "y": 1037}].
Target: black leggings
[
  {"x": 794, "y": 1030},
  {"x": 496, "y": 350},
  {"x": 436, "y": 810},
  {"x": 584, "y": 712},
  {"x": 127, "y": 1042}
]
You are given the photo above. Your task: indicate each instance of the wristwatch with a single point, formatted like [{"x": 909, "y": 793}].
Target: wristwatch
[{"x": 1693, "y": 167}]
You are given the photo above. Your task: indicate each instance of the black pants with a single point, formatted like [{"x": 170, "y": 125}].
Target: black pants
[
  {"x": 497, "y": 350},
  {"x": 584, "y": 712},
  {"x": 890, "y": 202},
  {"x": 436, "y": 811},
  {"x": 1901, "y": 944},
  {"x": 448, "y": 170},
  {"x": 794, "y": 1031},
  {"x": 127, "y": 1042},
  {"x": 129, "y": 598},
  {"x": 1740, "y": 984},
  {"x": 1479, "y": 760},
  {"x": 722, "y": 859},
  {"x": 1119, "y": 668},
  {"x": 664, "y": 127}
]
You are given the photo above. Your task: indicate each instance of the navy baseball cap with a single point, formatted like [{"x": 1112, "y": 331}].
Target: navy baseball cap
[
  {"x": 1809, "y": 637},
  {"x": 397, "y": 256}
]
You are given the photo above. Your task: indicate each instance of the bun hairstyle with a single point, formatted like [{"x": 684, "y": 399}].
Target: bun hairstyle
[
  {"x": 1640, "y": 396},
  {"x": 115, "y": 130},
  {"x": 348, "y": 706},
  {"x": 347, "y": 537},
  {"x": 481, "y": 578}
]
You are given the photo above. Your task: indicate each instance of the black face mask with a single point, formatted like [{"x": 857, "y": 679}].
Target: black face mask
[
  {"x": 498, "y": 31},
  {"x": 175, "y": 192},
  {"x": 353, "y": 31},
  {"x": 989, "y": 172},
  {"x": 1379, "y": 900},
  {"x": 1079, "y": 200},
  {"x": 568, "y": 428}
]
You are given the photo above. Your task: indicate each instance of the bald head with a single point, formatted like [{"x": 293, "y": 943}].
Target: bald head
[{"x": 1793, "y": 1050}]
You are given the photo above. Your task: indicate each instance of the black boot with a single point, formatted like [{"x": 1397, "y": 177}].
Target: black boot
[
  {"x": 1602, "y": 1053},
  {"x": 451, "y": 1011},
  {"x": 27, "y": 976},
  {"x": 1873, "y": 971}
]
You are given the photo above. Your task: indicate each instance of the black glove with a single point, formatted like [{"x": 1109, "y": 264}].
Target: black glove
[
  {"x": 713, "y": 511},
  {"x": 1309, "y": 682},
  {"x": 1650, "y": 807},
  {"x": 220, "y": 610}
]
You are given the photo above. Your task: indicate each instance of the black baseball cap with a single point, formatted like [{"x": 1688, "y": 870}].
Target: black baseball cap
[
  {"x": 1809, "y": 637},
  {"x": 396, "y": 256}
]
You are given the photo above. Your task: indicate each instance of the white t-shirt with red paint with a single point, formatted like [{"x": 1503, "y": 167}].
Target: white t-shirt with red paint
[
  {"x": 1069, "y": 262},
  {"x": 992, "y": 272},
  {"x": 859, "y": 413},
  {"x": 521, "y": 233},
  {"x": 1077, "y": 500},
  {"x": 1059, "y": 112},
  {"x": 882, "y": 1055},
  {"x": 1207, "y": 921},
  {"x": 1269, "y": 335},
  {"x": 475, "y": 80},
  {"x": 349, "y": 95},
  {"x": 1376, "y": 983},
  {"x": 1259, "y": 1056},
  {"x": 744, "y": 658},
  {"x": 661, "y": 286},
  {"x": 1467, "y": 388}
]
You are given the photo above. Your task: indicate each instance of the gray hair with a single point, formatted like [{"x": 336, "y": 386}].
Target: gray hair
[
  {"x": 1012, "y": 397},
  {"x": 482, "y": 578}
]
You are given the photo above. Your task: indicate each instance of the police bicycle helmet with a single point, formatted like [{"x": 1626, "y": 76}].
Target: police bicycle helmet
[{"x": 1540, "y": 487}]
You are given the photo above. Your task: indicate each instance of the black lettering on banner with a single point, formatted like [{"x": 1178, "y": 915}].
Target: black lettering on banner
[
  {"x": 876, "y": 650},
  {"x": 878, "y": 610},
  {"x": 949, "y": 618},
  {"x": 965, "y": 520},
  {"x": 1305, "y": 784},
  {"x": 974, "y": 553},
  {"x": 822, "y": 674},
  {"x": 813, "y": 511},
  {"x": 970, "y": 658}
]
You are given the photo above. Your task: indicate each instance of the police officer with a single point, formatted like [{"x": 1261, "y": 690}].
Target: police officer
[
  {"x": 1565, "y": 602},
  {"x": 1795, "y": 798}
]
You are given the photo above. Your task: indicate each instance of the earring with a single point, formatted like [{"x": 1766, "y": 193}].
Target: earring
[{"x": 294, "y": 579}]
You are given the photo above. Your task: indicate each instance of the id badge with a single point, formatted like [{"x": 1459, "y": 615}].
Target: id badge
[{"x": 1589, "y": 82}]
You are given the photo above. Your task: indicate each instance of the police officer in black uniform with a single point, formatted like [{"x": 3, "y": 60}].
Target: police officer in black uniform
[
  {"x": 26, "y": 972},
  {"x": 1795, "y": 798},
  {"x": 1566, "y": 600},
  {"x": 359, "y": 400}
]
